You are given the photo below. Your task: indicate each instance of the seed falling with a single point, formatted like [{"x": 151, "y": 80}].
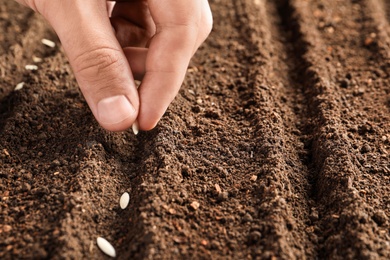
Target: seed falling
[
  {"x": 31, "y": 67},
  {"x": 124, "y": 200},
  {"x": 106, "y": 247},
  {"x": 135, "y": 127},
  {"x": 19, "y": 86},
  {"x": 48, "y": 43}
]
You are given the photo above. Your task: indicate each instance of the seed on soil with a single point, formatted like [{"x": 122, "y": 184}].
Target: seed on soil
[
  {"x": 19, "y": 86},
  {"x": 31, "y": 67},
  {"x": 135, "y": 127},
  {"x": 106, "y": 247},
  {"x": 195, "y": 205},
  {"x": 254, "y": 178},
  {"x": 36, "y": 59},
  {"x": 124, "y": 201},
  {"x": 48, "y": 43}
]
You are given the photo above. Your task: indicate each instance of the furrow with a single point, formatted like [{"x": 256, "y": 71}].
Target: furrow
[
  {"x": 284, "y": 196},
  {"x": 96, "y": 210},
  {"x": 349, "y": 102},
  {"x": 377, "y": 13},
  {"x": 214, "y": 187},
  {"x": 385, "y": 8}
]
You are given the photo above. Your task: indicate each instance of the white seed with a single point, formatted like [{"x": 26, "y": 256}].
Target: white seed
[
  {"x": 31, "y": 67},
  {"x": 36, "y": 59},
  {"x": 135, "y": 127},
  {"x": 137, "y": 83},
  {"x": 19, "y": 86},
  {"x": 124, "y": 201},
  {"x": 106, "y": 247},
  {"x": 48, "y": 43}
]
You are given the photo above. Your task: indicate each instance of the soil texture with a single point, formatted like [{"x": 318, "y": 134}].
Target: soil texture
[{"x": 276, "y": 147}]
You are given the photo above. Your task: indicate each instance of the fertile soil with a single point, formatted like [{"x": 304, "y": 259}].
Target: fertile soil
[{"x": 276, "y": 147}]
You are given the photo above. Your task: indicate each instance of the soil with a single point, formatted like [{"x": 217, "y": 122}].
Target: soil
[{"x": 276, "y": 147}]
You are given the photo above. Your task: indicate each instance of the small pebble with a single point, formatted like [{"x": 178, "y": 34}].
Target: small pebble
[
  {"x": 135, "y": 127},
  {"x": 7, "y": 228},
  {"x": 218, "y": 188},
  {"x": 124, "y": 201},
  {"x": 48, "y": 43},
  {"x": 26, "y": 186},
  {"x": 365, "y": 149},
  {"x": 106, "y": 247},
  {"x": 223, "y": 196},
  {"x": 254, "y": 236},
  {"x": 195, "y": 205},
  {"x": 247, "y": 218}
]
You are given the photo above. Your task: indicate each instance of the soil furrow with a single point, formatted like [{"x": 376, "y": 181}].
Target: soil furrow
[
  {"x": 193, "y": 162},
  {"x": 251, "y": 180},
  {"x": 272, "y": 79},
  {"x": 277, "y": 145},
  {"x": 377, "y": 13},
  {"x": 346, "y": 157}
]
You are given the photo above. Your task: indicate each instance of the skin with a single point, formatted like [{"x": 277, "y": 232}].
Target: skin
[{"x": 109, "y": 44}]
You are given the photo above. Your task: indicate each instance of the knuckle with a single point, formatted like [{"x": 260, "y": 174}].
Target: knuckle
[{"x": 96, "y": 63}]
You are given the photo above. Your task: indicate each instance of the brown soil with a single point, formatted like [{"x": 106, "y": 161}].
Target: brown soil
[{"x": 281, "y": 133}]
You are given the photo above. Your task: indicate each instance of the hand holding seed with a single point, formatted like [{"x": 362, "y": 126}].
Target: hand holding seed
[{"x": 108, "y": 45}]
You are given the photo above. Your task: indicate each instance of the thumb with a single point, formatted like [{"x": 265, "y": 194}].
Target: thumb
[{"x": 98, "y": 61}]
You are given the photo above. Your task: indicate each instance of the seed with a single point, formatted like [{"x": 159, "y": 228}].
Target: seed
[
  {"x": 124, "y": 201},
  {"x": 31, "y": 67},
  {"x": 36, "y": 59},
  {"x": 135, "y": 127},
  {"x": 48, "y": 43},
  {"x": 106, "y": 247},
  {"x": 137, "y": 83},
  {"x": 19, "y": 86}
]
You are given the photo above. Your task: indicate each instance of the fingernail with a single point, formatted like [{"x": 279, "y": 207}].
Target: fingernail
[{"x": 114, "y": 110}]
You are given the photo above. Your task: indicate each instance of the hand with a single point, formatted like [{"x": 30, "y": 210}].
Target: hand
[{"x": 110, "y": 43}]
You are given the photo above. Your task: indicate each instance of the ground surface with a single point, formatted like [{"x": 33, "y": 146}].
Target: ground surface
[{"x": 281, "y": 133}]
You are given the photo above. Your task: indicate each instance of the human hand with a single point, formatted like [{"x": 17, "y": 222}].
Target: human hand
[{"x": 152, "y": 40}]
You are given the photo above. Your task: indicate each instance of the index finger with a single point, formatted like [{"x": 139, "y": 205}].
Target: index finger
[{"x": 170, "y": 51}]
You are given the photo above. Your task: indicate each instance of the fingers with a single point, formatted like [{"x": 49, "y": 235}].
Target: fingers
[
  {"x": 172, "y": 30},
  {"x": 136, "y": 58},
  {"x": 178, "y": 35},
  {"x": 98, "y": 61}
]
